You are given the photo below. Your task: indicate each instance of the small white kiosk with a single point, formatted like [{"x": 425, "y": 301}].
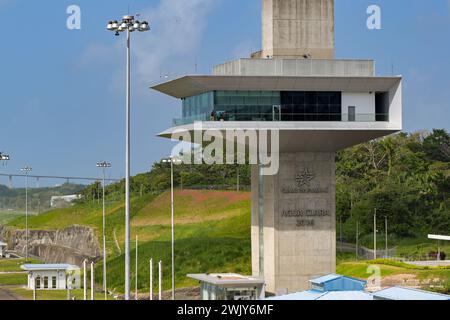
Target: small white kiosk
[
  {"x": 229, "y": 286},
  {"x": 2, "y": 249},
  {"x": 52, "y": 276}
]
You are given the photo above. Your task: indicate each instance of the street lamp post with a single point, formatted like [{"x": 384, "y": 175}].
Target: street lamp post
[
  {"x": 128, "y": 25},
  {"x": 172, "y": 160},
  {"x": 104, "y": 165},
  {"x": 26, "y": 169}
]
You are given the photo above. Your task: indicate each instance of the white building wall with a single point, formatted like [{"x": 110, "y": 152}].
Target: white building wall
[
  {"x": 396, "y": 106},
  {"x": 364, "y": 104},
  {"x": 60, "y": 279}
]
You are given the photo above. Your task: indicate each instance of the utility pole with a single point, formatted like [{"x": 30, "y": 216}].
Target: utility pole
[
  {"x": 340, "y": 231},
  {"x": 386, "y": 235},
  {"x": 375, "y": 235},
  {"x": 84, "y": 280},
  {"x": 151, "y": 279},
  {"x": 92, "y": 281},
  {"x": 136, "y": 272},
  {"x": 357, "y": 239},
  {"x": 160, "y": 279}
]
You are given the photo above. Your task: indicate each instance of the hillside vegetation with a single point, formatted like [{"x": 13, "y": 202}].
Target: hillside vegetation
[
  {"x": 405, "y": 177},
  {"x": 38, "y": 198},
  {"x": 212, "y": 231}
]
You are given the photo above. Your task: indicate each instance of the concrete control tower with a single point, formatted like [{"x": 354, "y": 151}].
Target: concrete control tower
[{"x": 319, "y": 105}]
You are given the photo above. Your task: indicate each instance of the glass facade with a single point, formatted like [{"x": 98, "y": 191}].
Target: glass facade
[
  {"x": 198, "y": 107},
  {"x": 270, "y": 106}
]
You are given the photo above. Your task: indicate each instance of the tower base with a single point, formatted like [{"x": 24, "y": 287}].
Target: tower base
[{"x": 293, "y": 224}]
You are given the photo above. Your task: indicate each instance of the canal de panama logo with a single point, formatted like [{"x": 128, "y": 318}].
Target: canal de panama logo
[{"x": 304, "y": 179}]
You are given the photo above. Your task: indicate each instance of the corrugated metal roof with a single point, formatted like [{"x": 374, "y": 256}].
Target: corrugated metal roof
[
  {"x": 401, "y": 293},
  {"x": 329, "y": 295},
  {"x": 303, "y": 295},
  {"x": 41, "y": 267},
  {"x": 346, "y": 295}
]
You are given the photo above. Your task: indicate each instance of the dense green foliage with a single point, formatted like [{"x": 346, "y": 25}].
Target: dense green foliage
[
  {"x": 212, "y": 177},
  {"x": 38, "y": 198},
  {"x": 404, "y": 177}
]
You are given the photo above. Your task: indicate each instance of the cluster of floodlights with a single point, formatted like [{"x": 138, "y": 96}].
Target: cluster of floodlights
[
  {"x": 4, "y": 157},
  {"x": 103, "y": 164},
  {"x": 128, "y": 23}
]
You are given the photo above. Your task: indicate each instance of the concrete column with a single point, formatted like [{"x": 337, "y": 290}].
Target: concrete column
[
  {"x": 299, "y": 221},
  {"x": 298, "y": 29}
]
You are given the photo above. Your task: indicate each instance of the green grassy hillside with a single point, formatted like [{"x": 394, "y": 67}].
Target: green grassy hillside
[{"x": 212, "y": 233}]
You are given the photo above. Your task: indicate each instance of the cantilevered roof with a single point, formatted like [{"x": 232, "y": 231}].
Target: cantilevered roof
[
  {"x": 192, "y": 85},
  {"x": 48, "y": 267}
]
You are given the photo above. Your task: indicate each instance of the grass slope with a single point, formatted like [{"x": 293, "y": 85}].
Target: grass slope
[{"x": 212, "y": 232}]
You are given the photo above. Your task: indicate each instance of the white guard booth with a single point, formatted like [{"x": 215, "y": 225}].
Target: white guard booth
[{"x": 52, "y": 276}]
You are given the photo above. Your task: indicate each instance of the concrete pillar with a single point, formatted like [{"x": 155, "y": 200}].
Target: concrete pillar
[
  {"x": 10, "y": 182},
  {"x": 298, "y": 29},
  {"x": 299, "y": 221}
]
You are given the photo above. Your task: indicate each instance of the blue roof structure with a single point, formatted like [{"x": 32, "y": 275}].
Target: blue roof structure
[
  {"x": 335, "y": 282},
  {"x": 401, "y": 293},
  {"x": 323, "y": 279}
]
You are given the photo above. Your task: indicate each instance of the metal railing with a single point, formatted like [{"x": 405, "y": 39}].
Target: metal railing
[{"x": 285, "y": 116}]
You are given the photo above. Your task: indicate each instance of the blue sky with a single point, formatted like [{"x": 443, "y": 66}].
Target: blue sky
[{"x": 62, "y": 91}]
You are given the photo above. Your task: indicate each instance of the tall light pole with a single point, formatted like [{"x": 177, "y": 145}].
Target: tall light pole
[
  {"x": 172, "y": 160},
  {"x": 128, "y": 25},
  {"x": 104, "y": 165},
  {"x": 26, "y": 169}
]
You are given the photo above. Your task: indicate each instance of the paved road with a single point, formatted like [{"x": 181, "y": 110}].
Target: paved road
[{"x": 6, "y": 295}]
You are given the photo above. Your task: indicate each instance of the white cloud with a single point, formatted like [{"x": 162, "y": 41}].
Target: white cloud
[{"x": 170, "y": 47}]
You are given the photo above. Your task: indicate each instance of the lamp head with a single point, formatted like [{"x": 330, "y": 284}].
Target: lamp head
[{"x": 144, "y": 26}]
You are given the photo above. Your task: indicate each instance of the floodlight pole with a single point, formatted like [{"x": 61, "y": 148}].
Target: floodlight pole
[
  {"x": 171, "y": 161},
  {"x": 128, "y": 24},
  {"x": 26, "y": 169},
  {"x": 103, "y": 165},
  {"x": 173, "y": 234}
]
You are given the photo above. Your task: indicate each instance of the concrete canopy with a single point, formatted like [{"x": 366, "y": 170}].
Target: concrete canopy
[{"x": 191, "y": 85}]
